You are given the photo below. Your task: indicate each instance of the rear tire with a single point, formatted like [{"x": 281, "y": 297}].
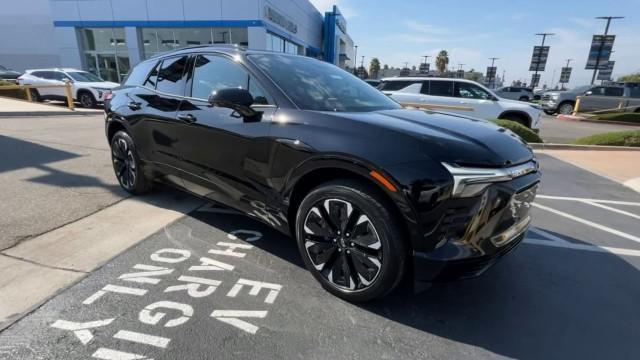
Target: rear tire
[
  {"x": 87, "y": 100},
  {"x": 350, "y": 241},
  {"x": 127, "y": 165},
  {"x": 549, "y": 112},
  {"x": 35, "y": 95}
]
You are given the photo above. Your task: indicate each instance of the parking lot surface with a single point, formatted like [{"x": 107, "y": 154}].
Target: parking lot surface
[
  {"x": 554, "y": 130},
  {"x": 216, "y": 284}
]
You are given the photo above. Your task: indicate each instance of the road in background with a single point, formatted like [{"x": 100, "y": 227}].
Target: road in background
[
  {"x": 54, "y": 170},
  {"x": 554, "y": 130}
]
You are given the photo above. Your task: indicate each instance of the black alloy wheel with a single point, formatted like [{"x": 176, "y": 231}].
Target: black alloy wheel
[
  {"x": 126, "y": 164},
  {"x": 350, "y": 241},
  {"x": 87, "y": 100},
  {"x": 565, "y": 108}
]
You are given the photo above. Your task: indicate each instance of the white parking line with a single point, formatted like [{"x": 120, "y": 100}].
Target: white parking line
[
  {"x": 589, "y": 223},
  {"x": 611, "y": 209},
  {"x": 584, "y": 247},
  {"x": 549, "y": 235},
  {"x": 612, "y": 202}
]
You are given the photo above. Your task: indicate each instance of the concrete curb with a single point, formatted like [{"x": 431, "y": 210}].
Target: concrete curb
[
  {"x": 583, "y": 119},
  {"x": 545, "y": 146}
]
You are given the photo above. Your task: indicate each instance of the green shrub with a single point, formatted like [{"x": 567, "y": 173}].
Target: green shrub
[
  {"x": 619, "y": 138},
  {"x": 18, "y": 94},
  {"x": 630, "y": 117},
  {"x": 524, "y": 132}
]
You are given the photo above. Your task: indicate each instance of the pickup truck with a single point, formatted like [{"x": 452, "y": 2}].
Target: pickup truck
[{"x": 593, "y": 98}]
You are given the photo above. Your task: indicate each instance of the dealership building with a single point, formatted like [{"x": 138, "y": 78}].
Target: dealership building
[{"x": 108, "y": 37}]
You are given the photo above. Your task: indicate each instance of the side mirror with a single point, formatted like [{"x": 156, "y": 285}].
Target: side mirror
[
  {"x": 588, "y": 93},
  {"x": 239, "y": 100}
]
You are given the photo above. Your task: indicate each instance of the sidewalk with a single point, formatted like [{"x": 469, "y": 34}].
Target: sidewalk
[
  {"x": 620, "y": 166},
  {"x": 14, "y": 107}
]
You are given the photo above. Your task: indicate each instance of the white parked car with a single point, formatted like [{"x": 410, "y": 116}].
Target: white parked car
[
  {"x": 86, "y": 88},
  {"x": 459, "y": 96}
]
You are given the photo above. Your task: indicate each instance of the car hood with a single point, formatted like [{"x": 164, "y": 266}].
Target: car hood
[
  {"x": 451, "y": 138},
  {"x": 100, "y": 84},
  {"x": 525, "y": 106}
]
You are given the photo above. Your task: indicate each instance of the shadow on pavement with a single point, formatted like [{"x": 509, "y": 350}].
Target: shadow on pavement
[{"x": 537, "y": 303}]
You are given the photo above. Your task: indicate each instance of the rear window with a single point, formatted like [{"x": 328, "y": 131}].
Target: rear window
[
  {"x": 440, "y": 88},
  {"x": 139, "y": 73},
  {"x": 395, "y": 85},
  {"x": 614, "y": 91}
]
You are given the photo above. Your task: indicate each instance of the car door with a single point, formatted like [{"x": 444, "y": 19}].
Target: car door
[
  {"x": 151, "y": 110},
  {"x": 438, "y": 95},
  {"x": 58, "y": 78},
  {"x": 48, "y": 78},
  {"x": 481, "y": 102},
  {"x": 226, "y": 157}
]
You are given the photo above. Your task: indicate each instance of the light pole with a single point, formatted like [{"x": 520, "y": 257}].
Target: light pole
[
  {"x": 606, "y": 31},
  {"x": 544, "y": 37},
  {"x": 355, "y": 59}
]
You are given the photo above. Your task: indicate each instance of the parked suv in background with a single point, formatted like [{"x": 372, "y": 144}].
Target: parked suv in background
[
  {"x": 459, "y": 96},
  {"x": 600, "y": 97},
  {"x": 86, "y": 88},
  {"x": 515, "y": 93},
  {"x": 313, "y": 151},
  {"x": 8, "y": 74}
]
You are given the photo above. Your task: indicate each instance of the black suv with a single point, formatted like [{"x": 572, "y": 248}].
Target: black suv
[{"x": 371, "y": 191}]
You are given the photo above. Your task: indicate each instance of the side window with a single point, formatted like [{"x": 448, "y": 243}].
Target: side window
[
  {"x": 171, "y": 75},
  {"x": 212, "y": 73},
  {"x": 57, "y": 75},
  {"x": 395, "y": 85},
  {"x": 152, "y": 79},
  {"x": 441, "y": 88},
  {"x": 614, "y": 91},
  {"x": 513, "y": 89},
  {"x": 470, "y": 91},
  {"x": 424, "y": 90},
  {"x": 139, "y": 73},
  {"x": 598, "y": 91},
  {"x": 40, "y": 74}
]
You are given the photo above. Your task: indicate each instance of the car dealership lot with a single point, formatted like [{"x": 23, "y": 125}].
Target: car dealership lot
[{"x": 567, "y": 292}]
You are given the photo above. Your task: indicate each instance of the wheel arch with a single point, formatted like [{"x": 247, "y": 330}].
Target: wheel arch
[
  {"x": 521, "y": 114},
  {"x": 113, "y": 126},
  {"x": 304, "y": 180}
]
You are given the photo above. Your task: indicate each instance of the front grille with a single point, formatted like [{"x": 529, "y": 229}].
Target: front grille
[{"x": 546, "y": 97}]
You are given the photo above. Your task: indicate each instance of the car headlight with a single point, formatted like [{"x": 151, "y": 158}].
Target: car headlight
[
  {"x": 468, "y": 181},
  {"x": 99, "y": 89},
  {"x": 555, "y": 96}
]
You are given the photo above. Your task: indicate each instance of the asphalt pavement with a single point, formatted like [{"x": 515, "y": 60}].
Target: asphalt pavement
[
  {"x": 219, "y": 285},
  {"x": 55, "y": 170},
  {"x": 554, "y": 130}
]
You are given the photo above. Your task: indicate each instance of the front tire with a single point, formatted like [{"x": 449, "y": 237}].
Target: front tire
[
  {"x": 350, "y": 240},
  {"x": 549, "y": 112},
  {"x": 126, "y": 164},
  {"x": 87, "y": 100},
  {"x": 566, "y": 108}
]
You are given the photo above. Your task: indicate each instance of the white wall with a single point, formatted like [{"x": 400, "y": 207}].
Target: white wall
[{"x": 27, "y": 39}]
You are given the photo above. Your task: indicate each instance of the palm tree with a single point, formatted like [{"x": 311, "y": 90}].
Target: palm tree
[
  {"x": 374, "y": 68},
  {"x": 442, "y": 60}
]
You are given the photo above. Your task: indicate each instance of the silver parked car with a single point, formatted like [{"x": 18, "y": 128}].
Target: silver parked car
[{"x": 515, "y": 93}]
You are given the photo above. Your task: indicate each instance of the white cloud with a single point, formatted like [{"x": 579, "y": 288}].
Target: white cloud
[{"x": 426, "y": 28}]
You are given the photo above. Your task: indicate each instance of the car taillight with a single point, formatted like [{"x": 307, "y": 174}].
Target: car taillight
[{"x": 108, "y": 95}]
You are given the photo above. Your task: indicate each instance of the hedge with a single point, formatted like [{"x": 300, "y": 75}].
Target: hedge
[{"x": 619, "y": 138}]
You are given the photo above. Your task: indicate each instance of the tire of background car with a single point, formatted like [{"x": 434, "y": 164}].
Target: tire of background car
[
  {"x": 637, "y": 110},
  {"x": 86, "y": 99},
  {"x": 35, "y": 95},
  {"x": 519, "y": 118},
  {"x": 363, "y": 256},
  {"x": 524, "y": 98},
  {"x": 126, "y": 164},
  {"x": 565, "y": 108},
  {"x": 549, "y": 112}
]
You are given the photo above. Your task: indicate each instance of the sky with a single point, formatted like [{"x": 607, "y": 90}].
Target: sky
[{"x": 398, "y": 31}]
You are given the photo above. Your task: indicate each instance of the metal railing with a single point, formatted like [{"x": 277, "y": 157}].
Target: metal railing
[
  {"x": 27, "y": 89},
  {"x": 624, "y": 104}
]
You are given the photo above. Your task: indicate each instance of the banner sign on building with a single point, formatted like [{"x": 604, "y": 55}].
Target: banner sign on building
[
  {"x": 565, "y": 74},
  {"x": 539, "y": 58},
  {"x": 605, "y": 71},
  {"x": 491, "y": 72},
  {"x": 600, "y": 51},
  {"x": 535, "y": 80},
  {"x": 460, "y": 74},
  {"x": 424, "y": 68},
  {"x": 280, "y": 19}
]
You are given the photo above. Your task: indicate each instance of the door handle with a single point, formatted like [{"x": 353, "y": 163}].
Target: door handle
[
  {"x": 133, "y": 105},
  {"x": 188, "y": 118}
]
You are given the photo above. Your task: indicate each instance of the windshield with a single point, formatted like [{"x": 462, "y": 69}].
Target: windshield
[
  {"x": 83, "y": 76},
  {"x": 316, "y": 85},
  {"x": 581, "y": 89},
  {"x": 2, "y": 67}
]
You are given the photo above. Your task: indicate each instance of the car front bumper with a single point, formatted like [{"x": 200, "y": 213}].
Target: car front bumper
[{"x": 474, "y": 233}]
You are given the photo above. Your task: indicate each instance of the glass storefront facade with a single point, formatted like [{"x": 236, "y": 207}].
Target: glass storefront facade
[
  {"x": 280, "y": 44},
  {"x": 159, "y": 40},
  {"x": 104, "y": 52}
]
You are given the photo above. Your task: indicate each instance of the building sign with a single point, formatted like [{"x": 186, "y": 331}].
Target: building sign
[
  {"x": 565, "y": 74},
  {"x": 491, "y": 72},
  {"x": 405, "y": 72},
  {"x": 280, "y": 19},
  {"x": 600, "y": 51},
  {"x": 460, "y": 74},
  {"x": 424, "y": 68},
  {"x": 605, "y": 70},
  {"x": 539, "y": 58},
  {"x": 535, "y": 80}
]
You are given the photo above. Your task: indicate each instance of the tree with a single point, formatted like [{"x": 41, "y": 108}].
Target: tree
[
  {"x": 635, "y": 77},
  {"x": 385, "y": 67},
  {"x": 374, "y": 68},
  {"x": 442, "y": 60}
]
